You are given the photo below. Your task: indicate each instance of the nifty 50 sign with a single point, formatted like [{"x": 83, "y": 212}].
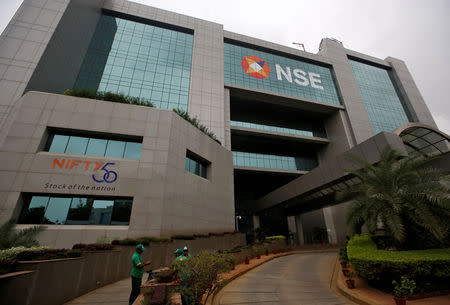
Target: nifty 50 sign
[
  {"x": 105, "y": 175},
  {"x": 258, "y": 68}
]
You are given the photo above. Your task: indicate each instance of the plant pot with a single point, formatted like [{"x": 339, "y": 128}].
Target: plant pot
[
  {"x": 400, "y": 301},
  {"x": 350, "y": 283},
  {"x": 344, "y": 264},
  {"x": 247, "y": 261}
]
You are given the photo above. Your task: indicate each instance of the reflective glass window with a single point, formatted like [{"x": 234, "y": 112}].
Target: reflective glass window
[
  {"x": 76, "y": 210},
  {"x": 383, "y": 104},
  {"x": 196, "y": 167},
  {"x": 56, "y": 212},
  {"x": 133, "y": 150},
  {"x": 80, "y": 210},
  {"x": 35, "y": 211},
  {"x": 301, "y": 163},
  {"x": 139, "y": 60},
  {"x": 77, "y": 145},
  {"x": 101, "y": 212},
  {"x": 115, "y": 149},
  {"x": 96, "y": 147},
  {"x": 59, "y": 143}
]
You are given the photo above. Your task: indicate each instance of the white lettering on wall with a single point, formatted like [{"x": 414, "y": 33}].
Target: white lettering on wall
[
  {"x": 300, "y": 74},
  {"x": 314, "y": 78},
  {"x": 287, "y": 75}
]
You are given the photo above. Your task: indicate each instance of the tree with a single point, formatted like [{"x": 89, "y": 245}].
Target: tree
[
  {"x": 401, "y": 194},
  {"x": 24, "y": 238}
]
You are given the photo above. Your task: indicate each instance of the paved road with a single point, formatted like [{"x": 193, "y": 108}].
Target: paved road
[
  {"x": 301, "y": 279},
  {"x": 113, "y": 294}
]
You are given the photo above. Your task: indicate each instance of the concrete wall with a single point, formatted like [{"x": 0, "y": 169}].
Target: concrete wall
[
  {"x": 166, "y": 198},
  {"x": 55, "y": 282},
  {"x": 22, "y": 44}
]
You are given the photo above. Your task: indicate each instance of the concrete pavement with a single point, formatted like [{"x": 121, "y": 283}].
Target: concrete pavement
[
  {"x": 113, "y": 294},
  {"x": 302, "y": 279}
]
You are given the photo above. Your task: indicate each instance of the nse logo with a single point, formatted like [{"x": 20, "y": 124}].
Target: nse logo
[
  {"x": 258, "y": 68},
  {"x": 109, "y": 176}
]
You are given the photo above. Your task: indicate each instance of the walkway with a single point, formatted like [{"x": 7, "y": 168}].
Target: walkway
[
  {"x": 113, "y": 294},
  {"x": 302, "y": 279}
]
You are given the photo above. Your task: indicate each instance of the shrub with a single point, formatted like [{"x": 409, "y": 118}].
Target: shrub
[
  {"x": 183, "y": 237},
  {"x": 275, "y": 237},
  {"x": 109, "y": 96},
  {"x": 45, "y": 254},
  {"x": 199, "y": 274},
  {"x": 405, "y": 288},
  {"x": 430, "y": 269},
  {"x": 140, "y": 240},
  {"x": 11, "y": 253},
  {"x": 194, "y": 121},
  {"x": 93, "y": 247}
]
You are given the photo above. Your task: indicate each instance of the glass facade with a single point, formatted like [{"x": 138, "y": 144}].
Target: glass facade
[
  {"x": 385, "y": 109},
  {"x": 75, "y": 210},
  {"x": 308, "y": 133},
  {"x": 76, "y": 145},
  {"x": 139, "y": 60},
  {"x": 273, "y": 161},
  {"x": 297, "y": 78},
  {"x": 196, "y": 167}
]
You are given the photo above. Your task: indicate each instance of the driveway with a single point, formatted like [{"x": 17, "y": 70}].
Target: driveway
[{"x": 300, "y": 279}]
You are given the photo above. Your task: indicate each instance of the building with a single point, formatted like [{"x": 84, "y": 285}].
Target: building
[{"x": 283, "y": 119}]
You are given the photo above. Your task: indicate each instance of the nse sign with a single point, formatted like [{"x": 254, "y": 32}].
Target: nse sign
[{"x": 258, "y": 68}]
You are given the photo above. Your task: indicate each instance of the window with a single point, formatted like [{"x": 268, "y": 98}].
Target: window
[
  {"x": 93, "y": 146},
  {"x": 76, "y": 210},
  {"x": 196, "y": 164}
]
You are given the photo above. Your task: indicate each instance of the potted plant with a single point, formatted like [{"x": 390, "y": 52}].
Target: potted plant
[
  {"x": 350, "y": 280},
  {"x": 402, "y": 290},
  {"x": 343, "y": 258},
  {"x": 346, "y": 271},
  {"x": 247, "y": 260}
]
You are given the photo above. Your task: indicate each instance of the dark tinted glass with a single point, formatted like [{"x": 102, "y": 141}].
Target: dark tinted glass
[
  {"x": 80, "y": 210},
  {"x": 121, "y": 212},
  {"x": 36, "y": 210}
]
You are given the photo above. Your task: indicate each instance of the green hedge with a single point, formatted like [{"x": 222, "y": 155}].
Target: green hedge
[
  {"x": 109, "y": 96},
  {"x": 429, "y": 268}
]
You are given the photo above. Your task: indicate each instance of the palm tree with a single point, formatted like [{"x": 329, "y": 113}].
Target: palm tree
[
  {"x": 25, "y": 237},
  {"x": 395, "y": 192}
]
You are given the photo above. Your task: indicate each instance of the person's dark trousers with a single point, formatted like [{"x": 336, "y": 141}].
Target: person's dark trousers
[{"x": 135, "y": 289}]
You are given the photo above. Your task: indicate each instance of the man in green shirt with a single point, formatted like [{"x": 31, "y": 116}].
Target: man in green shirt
[
  {"x": 186, "y": 252},
  {"x": 137, "y": 271}
]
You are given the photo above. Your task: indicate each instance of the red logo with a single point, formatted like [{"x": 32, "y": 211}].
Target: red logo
[{"x": 255, "y": 66}]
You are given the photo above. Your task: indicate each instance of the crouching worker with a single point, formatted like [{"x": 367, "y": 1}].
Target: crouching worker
[{"x": 137, "y": 271}]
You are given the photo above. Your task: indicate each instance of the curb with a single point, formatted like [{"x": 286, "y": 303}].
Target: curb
[
  {"x": 340, "y": 289},
  {"x": 210, "y": 300}
]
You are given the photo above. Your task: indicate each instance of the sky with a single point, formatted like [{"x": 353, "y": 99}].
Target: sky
[{"x": 415, "y": 31}]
